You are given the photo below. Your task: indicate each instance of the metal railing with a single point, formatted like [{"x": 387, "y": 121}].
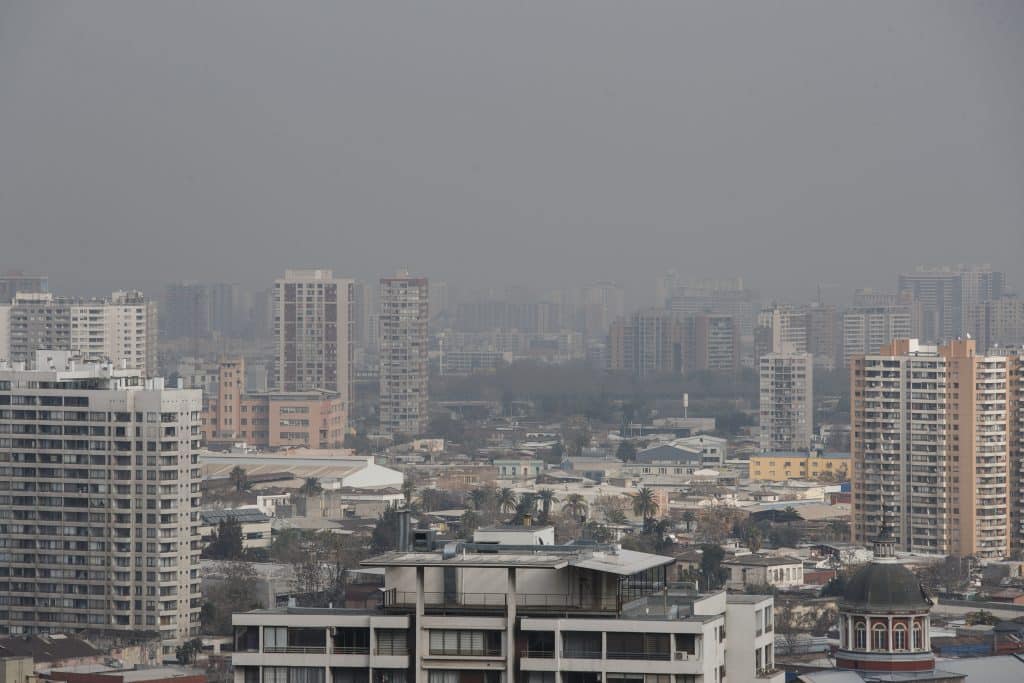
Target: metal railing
[
  {"x": 538, "y": 654},
  {"x": 547, "y": 602},
  {"x": 581, "y": 654},
  {"x": 296, "y": 650},
  {"x": 647, "y": 656},
  {"x": 466, "y": 652},
  {"x": 350, "y": 650}
]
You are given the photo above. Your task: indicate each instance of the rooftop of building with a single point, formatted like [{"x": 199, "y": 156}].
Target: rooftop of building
[
  {"x": 802, "y": 454},
  {"x": 606, "y": 559},
  {"x": 47, "y": 648},
  {"x": 757, "y": 560},
  {"x": 241, "y": 515}
]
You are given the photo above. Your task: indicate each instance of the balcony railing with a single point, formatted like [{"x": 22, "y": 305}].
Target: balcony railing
[
  {"x": 538, "y": 654},
  {"x": 351, "y": 650},
  {"x": 543, "y": 602},
  {"x": 581, "y": 654},
  {"x": 456, "y": 652},
  {"x": 296, "y": 650},
  {"x": 640, "y": 654}
]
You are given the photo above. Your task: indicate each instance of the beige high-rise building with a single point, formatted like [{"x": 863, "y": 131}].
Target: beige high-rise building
[
  {"x": 404, "y": 349},
  {"x": 99, "y": 492},
  {"x": 647, "y": 343},
  {"x": 931, "y": 447},
  {"x": 313, "y": 324},
  {"x": 787, "y": 401},
  {"x": 998, "y": 323}
]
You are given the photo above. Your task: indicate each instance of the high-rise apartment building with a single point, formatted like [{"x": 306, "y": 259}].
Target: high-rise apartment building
[
  {"x": 121, "y": 329},
  {"x": 13, "y": 282},
  {"x": 712, "y": 343},
  {"x": 787, "y": 401},
  {"x": 99, "y": 497},
  {"x": 404, "y": 349},
  {"x": 313, "y": 327},
  {"x": 999, "y": 322},
  {"x": 866, "y": 329},
  {"x": 649, "y": 342},
  {"x": 822, "y": 322},
  {"x": 947, "y": 297},
  {"x": 931, "y": 434},
  {"x": 726, "y": 296}
]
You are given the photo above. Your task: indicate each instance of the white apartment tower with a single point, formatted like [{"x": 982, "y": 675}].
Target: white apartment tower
[
  {"x": 787, "y": 401},
  {"x": 99, "y": 496},
  {"x": 866, "y": 329},
  {"x": 313, "y": 324},
  {"x": 121, "y": 328},
  {"x": 404, "y": 347}
]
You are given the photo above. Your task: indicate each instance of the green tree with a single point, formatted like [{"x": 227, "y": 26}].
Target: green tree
[
  {"x": 226, "y": 543},
  {"x": 231, "y": 590},
  {"x": 712, "y": 575},
  {"x": 547, "y": 498},
  {"x": 689, "y": 517},
  {"x": 310, "y": 487},
  {"x": 525, "y": 506},
  {"x": 470, "y": 521},
  {"x": 626, "y": 452},
  {"x": 507, "y": 500},
  {"x": 575, "y": 505},
  {"x": 645, "y": 505},
  {"x": 186, "y": 653},
  {"x": 753, "y": 539},
  {"x": 385, "y": 533},
  {"x": 239, "y": 479}
]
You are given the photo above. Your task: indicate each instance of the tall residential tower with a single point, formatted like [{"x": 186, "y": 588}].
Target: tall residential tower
[
  {"x": 404, "y": 347},
  {"x": 99, "y": 496}
]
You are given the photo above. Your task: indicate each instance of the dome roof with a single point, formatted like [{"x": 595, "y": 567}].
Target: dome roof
[{"x": 886, "y": 586}]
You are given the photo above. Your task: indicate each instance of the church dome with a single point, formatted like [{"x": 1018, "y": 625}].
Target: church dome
[{"x": 885, "y": 587}]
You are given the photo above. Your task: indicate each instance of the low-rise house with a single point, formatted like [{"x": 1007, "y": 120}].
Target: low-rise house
[
  {"x": 755, "y": 569},
  {"x": 256, "y": 527}
]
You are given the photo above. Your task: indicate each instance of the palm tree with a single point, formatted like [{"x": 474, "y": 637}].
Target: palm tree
[
  {"x": 547, "y": 498},
  {"x": 238, "y": 478},
  {"x": 408, "y": 489},
  {"x": 310, "y": 487},
  {"x": 644, "y": 505},
  {"x": 660, "y": 531},
  {"x": 526, "y": 506},
  {"x": 507, "y": 500},
  {"x": 575, "y": 505},
  {"x": 470, "y": 522},
  {"x": 689, "y": 517}
]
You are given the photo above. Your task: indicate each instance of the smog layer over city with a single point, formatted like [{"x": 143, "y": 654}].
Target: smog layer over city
[{"x": 470, "y": 342}]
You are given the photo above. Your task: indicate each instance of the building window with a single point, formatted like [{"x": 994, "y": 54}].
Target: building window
[
  {"x": 860, "y": 637},
  {"x": 899, "y": 637},
  {"x": 879, "y": 638},
  {"x": 918, "y": 637}
]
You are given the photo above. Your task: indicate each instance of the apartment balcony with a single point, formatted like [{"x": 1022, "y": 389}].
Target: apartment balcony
[{"x": 526, "y": 603}]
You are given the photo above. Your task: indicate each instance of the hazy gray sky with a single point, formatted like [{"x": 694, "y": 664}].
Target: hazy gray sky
[{"x": 484, "y": 142}]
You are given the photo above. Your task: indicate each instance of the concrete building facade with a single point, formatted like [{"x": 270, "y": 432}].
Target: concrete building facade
[
  {"x": 121, "y": 328},
  {"x": 931, "y": 446},
  {"x": 786, "y": 401},
  {"x": 485, "y": 614},
  {"x": 404, "y": 354},
  {"x": 99, "y": 494},
  {"x": 313, "y": 327}
]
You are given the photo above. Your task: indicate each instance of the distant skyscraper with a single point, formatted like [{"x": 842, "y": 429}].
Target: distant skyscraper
[
  {"x": 712, "y": 343},
  {"x": 121, "y": 328},
  {"x": 185, "y": 313},
  {"x": 404, "y": 348},
  {"x": 313, "y": 326},
  {"x": 932, "y": 441},
  {"x": 99, "y": 530},
  {"x": 787, "y": 401},
  {"x": 12, "y": 283},
  {"x": 867, "y": 328},
  {"x": 998, "y": 323},
  {"x": 649, "y": 342},
  {"x": 602, "y": 302},
  {"x": 948, "y": 297}
]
